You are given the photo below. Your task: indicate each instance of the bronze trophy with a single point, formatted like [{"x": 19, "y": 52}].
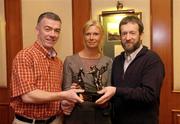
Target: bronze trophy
[{"x": 97, "y": 80}]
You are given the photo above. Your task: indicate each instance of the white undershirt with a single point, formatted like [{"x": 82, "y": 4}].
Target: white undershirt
[{"x": 131, "y": 57}]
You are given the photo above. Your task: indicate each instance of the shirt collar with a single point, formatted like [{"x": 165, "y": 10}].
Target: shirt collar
[
  {"x": 52, "y": 53},
  {"x": 47, "y": 53}
]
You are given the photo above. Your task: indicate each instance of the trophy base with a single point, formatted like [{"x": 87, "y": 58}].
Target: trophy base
[{"x": 90, "y": 96}]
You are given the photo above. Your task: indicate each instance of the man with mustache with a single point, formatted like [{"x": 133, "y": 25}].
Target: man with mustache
[{"x": 137, "y": 76}]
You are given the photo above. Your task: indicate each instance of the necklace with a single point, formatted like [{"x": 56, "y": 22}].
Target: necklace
[{"x": 97, "y": 56}]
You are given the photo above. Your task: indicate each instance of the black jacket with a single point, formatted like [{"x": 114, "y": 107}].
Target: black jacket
[{"x": 138, "y": 89}]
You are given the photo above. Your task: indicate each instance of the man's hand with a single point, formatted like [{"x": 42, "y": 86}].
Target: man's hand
[
  {"x": 107, "y": 92},
  {"x": 72, "y": 95}
]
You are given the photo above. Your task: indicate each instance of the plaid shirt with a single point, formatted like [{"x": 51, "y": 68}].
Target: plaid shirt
[{"x": 34, "y": 68}]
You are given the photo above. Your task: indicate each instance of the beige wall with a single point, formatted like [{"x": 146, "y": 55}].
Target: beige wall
[
  {"x": 63, "y": 7},
  {"x": 139, "y": 5},
  {"x": 2, "y": 46},
  {"x": 31, "y": 9},
  {"x": 176, "y": 43}
]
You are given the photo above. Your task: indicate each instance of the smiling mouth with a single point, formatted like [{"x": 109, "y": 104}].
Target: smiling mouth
[
  {"x": 50, "y": 40},
  {"x": 128, "y": 43},
  {"x": 91, "y": 42}
]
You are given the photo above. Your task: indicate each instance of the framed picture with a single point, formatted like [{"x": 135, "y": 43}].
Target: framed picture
[{"x": 110, "y": 21}]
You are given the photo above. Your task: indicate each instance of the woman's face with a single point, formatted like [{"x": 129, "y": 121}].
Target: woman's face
[{"x": 92, "y": 37}]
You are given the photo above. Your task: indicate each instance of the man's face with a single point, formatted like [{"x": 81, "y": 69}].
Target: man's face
[
  {"x": 130, "y": 37},
  {"x": 48, "y": 31},
  {"x": 92, "y": 37}
]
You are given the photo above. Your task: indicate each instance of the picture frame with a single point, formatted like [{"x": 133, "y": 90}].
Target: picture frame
[{"x": 110, "y": 21}]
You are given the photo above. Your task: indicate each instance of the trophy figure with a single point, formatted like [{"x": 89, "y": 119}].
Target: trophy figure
[
  {"x": 80, "y": 79},
  {"x": 97, "y": 75},
  {"x": 97, "y": 80}
]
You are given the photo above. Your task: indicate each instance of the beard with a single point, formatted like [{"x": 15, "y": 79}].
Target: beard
[{"x": 131, "y": 47}]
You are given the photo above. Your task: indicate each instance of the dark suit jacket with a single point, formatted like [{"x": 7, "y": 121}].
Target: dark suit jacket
[{"x": 138, "y": 89}]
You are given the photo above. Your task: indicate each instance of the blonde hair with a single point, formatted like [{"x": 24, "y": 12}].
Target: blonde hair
[{"x": 99, "y": 26}]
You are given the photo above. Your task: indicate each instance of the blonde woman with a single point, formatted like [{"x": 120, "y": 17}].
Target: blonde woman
[{"x": 88, "y": 58}]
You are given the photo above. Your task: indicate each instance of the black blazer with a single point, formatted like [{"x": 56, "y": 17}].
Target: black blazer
[{"x": 138, "y": 89}]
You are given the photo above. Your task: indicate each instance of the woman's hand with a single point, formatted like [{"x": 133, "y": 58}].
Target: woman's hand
[{"x": 67, "y": 106}]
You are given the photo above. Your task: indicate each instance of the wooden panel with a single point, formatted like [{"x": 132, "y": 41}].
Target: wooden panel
[
  {"x": 81, "y": 12},
  {"x": 13, "y": 45},
  {"x": 175, "y": 116},
  {"x": 14, "y": 31},
  {"x": 4, "y": 95},
  {"x": 161, "y": 35},
  {"x": 162, "y": 43},
  {"x": 4, "y": 114}
]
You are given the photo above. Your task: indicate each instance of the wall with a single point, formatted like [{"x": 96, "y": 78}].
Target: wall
[
  {"x": 139, "y": 5},
  {"x": 31, "y": 9},
  {"x": 161, "y": 22},
  {"x": 176, "y": 44},
  {"x": 2, "y": 46}
]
